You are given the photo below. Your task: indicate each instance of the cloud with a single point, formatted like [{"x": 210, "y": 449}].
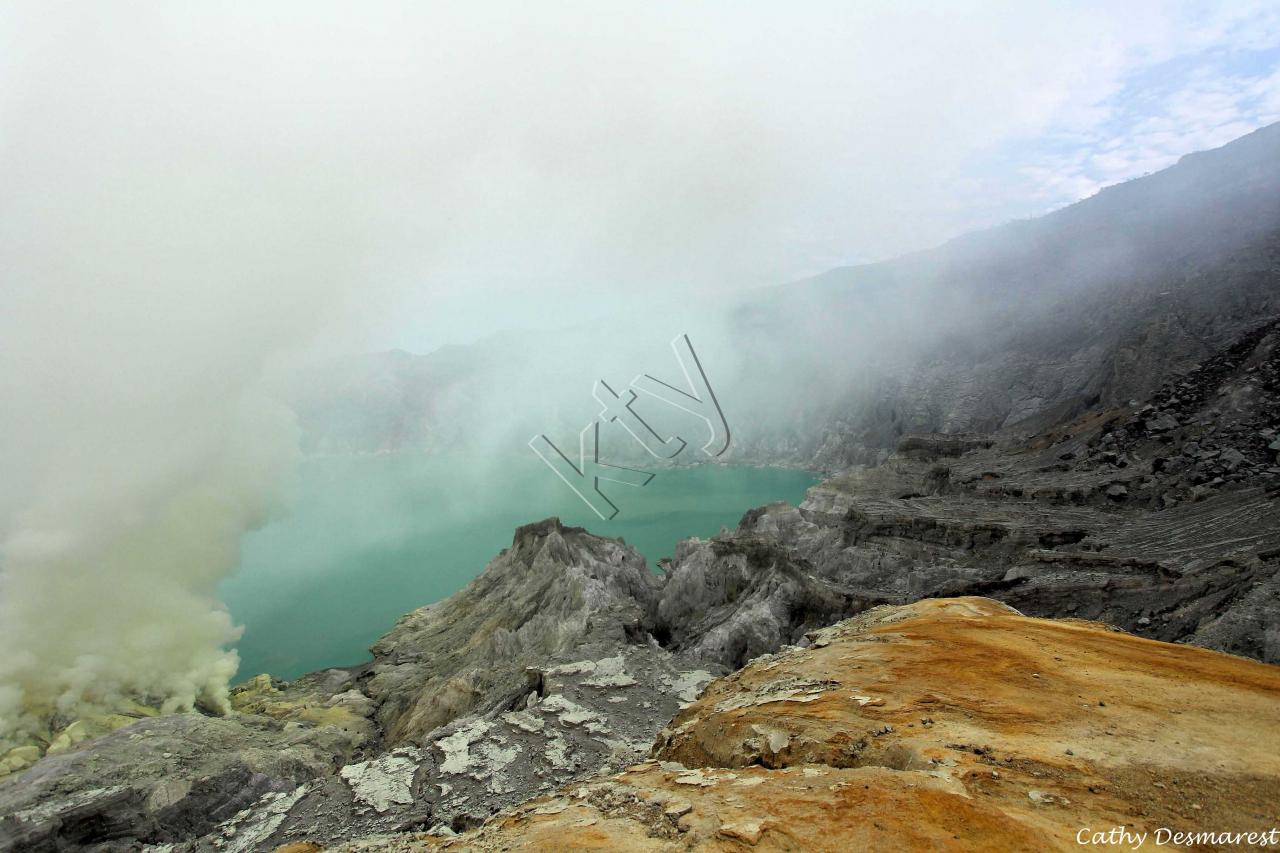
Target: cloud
[
  {"x": 594, "y": 151},
  {"x": 1195, "y": 87}
]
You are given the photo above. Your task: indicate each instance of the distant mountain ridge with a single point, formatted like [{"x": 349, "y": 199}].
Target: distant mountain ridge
[
  {"x": 1036, "y": 320},
  {"x": 1008, "y": 328}
]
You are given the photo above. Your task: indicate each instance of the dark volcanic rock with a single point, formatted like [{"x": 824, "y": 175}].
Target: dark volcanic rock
[
  {"x": 161, "y": 780},
  {"x": 554, "y": 588},
  {"x": 1053, "y": 524},
  {"x": 539, "y": 672}
]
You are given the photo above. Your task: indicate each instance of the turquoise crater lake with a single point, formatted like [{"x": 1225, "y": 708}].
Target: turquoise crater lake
[{"x": 369, "y": 538}]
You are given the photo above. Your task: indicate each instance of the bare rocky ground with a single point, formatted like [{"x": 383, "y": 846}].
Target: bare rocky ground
[{"x": 950, "y": 724}]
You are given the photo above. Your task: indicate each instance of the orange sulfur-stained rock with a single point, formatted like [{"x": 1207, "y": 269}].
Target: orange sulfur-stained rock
[{"x": 953, "y": 724}]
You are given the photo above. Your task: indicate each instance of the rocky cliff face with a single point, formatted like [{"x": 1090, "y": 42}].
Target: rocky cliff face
[
  {"x": 541, "y": 671},
  {"x": 952, "y": 724},
  {"x": 1028, "y": 324},
  {"x": 554, "y": 589},
  {"x": 1160, "y": 518}
]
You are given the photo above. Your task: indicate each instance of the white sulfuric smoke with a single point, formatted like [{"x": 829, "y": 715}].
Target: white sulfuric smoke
[
  {"x": 139, "y": 440},
  {"x": 164, "y": 245}
]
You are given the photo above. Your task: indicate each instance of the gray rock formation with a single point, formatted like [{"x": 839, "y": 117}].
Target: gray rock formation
[
  {"x": 1162, "y": 519},
  {"x": 540, "y": 672},
  {"x": 553, "y": 589},
  {"x": 164, "y": 780}
]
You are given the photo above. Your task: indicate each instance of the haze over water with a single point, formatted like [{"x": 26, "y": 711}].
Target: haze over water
[{"x": 370, "y": 538}]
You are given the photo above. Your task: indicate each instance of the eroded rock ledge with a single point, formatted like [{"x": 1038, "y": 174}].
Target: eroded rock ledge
[
  {"x": 538, "y": 673},
  {"x": 946, "y": 724}
]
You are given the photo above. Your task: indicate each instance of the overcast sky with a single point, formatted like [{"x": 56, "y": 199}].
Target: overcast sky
[{"x": 429, "y": 173}]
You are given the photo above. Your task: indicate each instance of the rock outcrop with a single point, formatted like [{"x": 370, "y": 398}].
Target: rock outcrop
[
  {"x": 1171, "y": 529},
  {"x": 165, "y": 780},
  {"x": 538, "y": 673},
  {"x": 555, "y": 588},
  {"x": 951, "y": 724}
]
